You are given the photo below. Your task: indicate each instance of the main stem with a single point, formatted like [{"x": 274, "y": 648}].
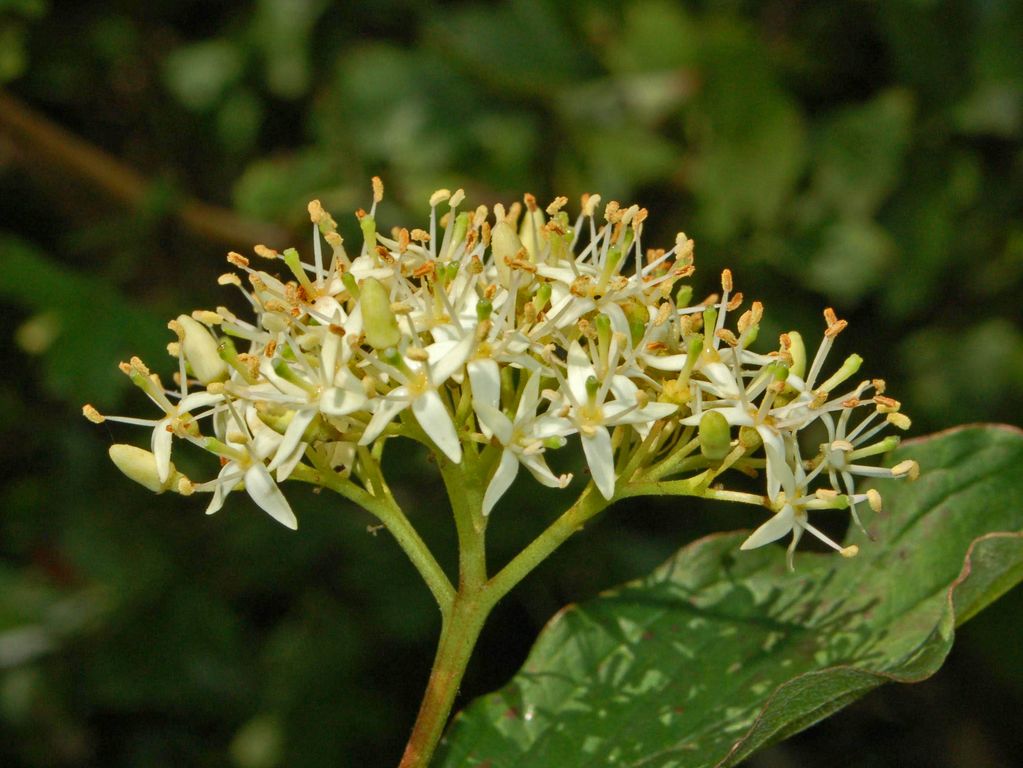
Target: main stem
[
  {"x": 477, "y": 595},
  {"x": 457, "y": 640},
  {"x": 461, "y": 627}
]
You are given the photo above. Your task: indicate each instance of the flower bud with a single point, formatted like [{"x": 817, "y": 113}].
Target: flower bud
[
  {"x": 530, "y": 233},
  {"x": 201, "y": 351},
  {"x": 379, "y": 322},
  {"x": 139, "y": 465},
  {"x": 798, "y": 351},
  {"x": 715, "y": 436},
  {"x": 458, "y": 232},
  {"x": 506, "y": 245}
]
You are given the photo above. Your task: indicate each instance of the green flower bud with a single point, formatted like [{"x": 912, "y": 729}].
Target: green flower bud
[
  {"x": 798, "y": 351},
  {"x": 715, "y": 436},
  {"x": 458, "y": 233},
  {"x": 378, "y": 321},
  {"x": 201, "y": 351}
]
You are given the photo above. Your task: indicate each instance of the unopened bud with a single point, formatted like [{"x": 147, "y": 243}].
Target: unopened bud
[
  {"x": 139, "y": 465},
  {"x": 530, "y": 232},
  {"x": 798, "y": 351},
  {"x": 715, "y": 436},
  {"x": 505, "y": 245},
  {"x": 201, "y": 351},
  {"x": 379, "y": 322}
]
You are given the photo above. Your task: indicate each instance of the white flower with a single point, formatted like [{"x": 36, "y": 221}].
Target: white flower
[
  {"x": 244, "y": 462},
  {"x": 587, "y": 406},
  {"x": 792, "y": 517},
  {"x": 523, "y": 439},
  {"x": 421, "y": 376},
  {"x": 178, "y": 418}
]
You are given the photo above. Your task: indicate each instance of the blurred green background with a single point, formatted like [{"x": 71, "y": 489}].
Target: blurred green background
[{"x": 863, "y": 155}]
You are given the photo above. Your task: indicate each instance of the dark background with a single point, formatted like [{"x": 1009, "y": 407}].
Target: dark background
[{"x": 861, "y": 155}]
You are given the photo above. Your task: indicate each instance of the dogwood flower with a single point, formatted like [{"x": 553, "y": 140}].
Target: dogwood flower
[
  {"x": 523, "y": 440},
  {"x": 494, "y": 335}
]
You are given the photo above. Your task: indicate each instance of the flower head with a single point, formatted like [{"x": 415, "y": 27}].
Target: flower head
[{"x": 507, "y": 333}]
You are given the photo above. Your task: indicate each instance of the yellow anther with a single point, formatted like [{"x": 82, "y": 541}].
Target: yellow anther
[
  {"x": 874, "y": 500},
  {"x": 899, "y": 420},
  {"x": 92, "y": 414},
  {"x": 908, "y": 468},
  {"x": 557, "y": 205}
]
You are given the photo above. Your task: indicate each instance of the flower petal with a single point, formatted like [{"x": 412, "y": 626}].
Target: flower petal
[
  {"x": 446, "y": 362},
  {"x": 387, "y": 409},
  {"x": 501, "y": 481},
  {"x": 772, "y": 530},
  {"x": 526, "y": 410},
  {"x": 162, "y": 438},
  {"x": 485, "y": 378},
  {"x": 495, "y": 422},
  {"x": 293, "y": 435},
  {"x": 580, "y": 368},
  {"x": 264, "y": 491},
  {"x": 600, "y": 458},
  {"x": 779, "y": 473},
  {"x": 343, "y": 400},
  {"x": 436, "y": 422}
]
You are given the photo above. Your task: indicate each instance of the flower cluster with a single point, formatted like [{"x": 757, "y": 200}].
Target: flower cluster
[{"x": 507, "y": 332}]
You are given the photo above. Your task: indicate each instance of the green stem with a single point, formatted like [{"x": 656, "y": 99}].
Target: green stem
[
  {"x": 457, "y": 640},
  {"x": 473, "y": 603},
  {"x": 389, "y": 513},
  {"x": 589, "y": 504},
  {"x": 465, "y": 491}
]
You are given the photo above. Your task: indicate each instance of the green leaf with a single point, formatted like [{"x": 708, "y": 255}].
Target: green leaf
[{"x": 720, "y": 652}]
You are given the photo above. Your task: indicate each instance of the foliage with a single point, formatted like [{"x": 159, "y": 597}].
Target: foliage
[{"x": 794, "y": 648}]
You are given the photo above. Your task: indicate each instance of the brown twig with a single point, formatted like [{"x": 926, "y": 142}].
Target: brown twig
[{"x": 43, "y": 142}]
